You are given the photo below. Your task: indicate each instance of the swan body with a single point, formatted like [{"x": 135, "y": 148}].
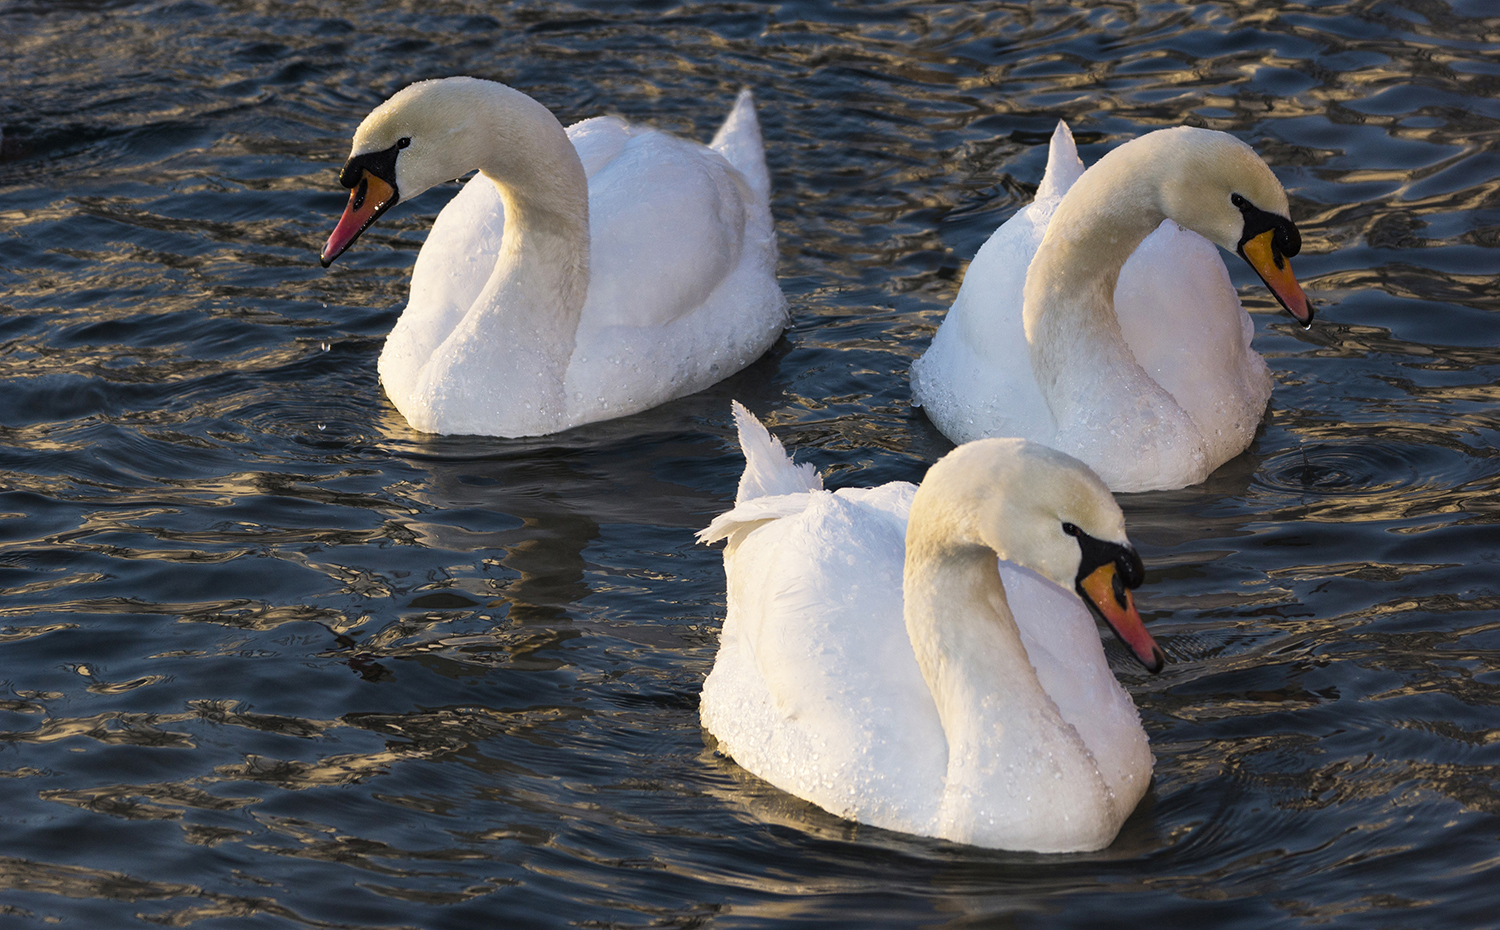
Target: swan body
[
  {"x": 582, "y": 274},
  {"x": 1101, "y": 317},
  {"x": 918, "y": 659}
]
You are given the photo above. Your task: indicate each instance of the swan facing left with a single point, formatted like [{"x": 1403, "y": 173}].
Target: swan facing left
[
  {"x": 583, "y": 274},
  {"x": 925, "y": 659}
]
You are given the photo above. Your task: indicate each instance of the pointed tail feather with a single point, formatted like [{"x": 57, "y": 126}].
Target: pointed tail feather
[
  {"x": 772, "y": 486},
  {"x": 768, "y": 468},
  {"x": 738, "y": 140},
  {"x": 1063, "y": 164}
]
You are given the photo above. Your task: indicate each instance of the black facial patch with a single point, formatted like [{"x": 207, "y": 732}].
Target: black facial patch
[
  {"x": 1129, "y": 570},
  {"x": 382, "y": 164},
  {"x": 356, "y": 175},
  {"x": 1285, "y": 242}
]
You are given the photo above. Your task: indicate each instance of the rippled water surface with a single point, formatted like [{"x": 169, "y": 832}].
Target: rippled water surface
[{"x": 270, "y": 658}]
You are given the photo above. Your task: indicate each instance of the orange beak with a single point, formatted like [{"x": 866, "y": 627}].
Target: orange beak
[
  {"x": 1274, "y": 269},
  {"x": 1105, "y": 591},
  {"x": 368, "y": 199}
]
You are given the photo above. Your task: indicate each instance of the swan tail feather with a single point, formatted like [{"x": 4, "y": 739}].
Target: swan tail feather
[
  {"x": 769, "y": 470},
  {"x": 755, "y": 512},
  {"x": 772, "y": 487},
  {"x": 1063, "y": 164},
  {"x": 739, "y": 141}
]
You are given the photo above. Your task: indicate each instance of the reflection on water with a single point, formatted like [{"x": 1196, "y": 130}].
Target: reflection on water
[{"x": 266, "y": 653}]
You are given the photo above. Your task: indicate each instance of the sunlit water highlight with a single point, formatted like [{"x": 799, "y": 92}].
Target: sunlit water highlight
[{"x": 270, "y": 658}]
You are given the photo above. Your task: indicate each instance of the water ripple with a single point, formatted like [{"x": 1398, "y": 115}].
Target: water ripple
[{"x": 268, "y": 654}]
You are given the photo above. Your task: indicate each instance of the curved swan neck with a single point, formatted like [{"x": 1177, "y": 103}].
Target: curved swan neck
[
  {"x": 521, "y": 148},
  {"x": 957, "y": 617},
  {"x": 965, "y": 639},
  {"x": 992, "y": 707},
  {"x": 1069, "y": 309},
  {"x": 1016, "y": 768}
]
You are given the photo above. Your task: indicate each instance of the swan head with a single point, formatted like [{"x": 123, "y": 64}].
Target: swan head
[
  {"x": 1215, "y": 185},
  {"x": 425, "y": 134},
  {"x": 1046, "y": 511}
]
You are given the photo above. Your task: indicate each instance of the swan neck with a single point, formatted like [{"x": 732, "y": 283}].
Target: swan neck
[
  {"x": 542, "y": 273},
  {"x": 967, "y": 645},
  {"x": 1015, "y": 769},
  {"x": 1069, "y": 309}
]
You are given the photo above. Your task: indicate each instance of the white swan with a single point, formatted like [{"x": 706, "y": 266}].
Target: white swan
[
  {"x": 1033, "y": 347},
  {"x": 984, "y": 712},
  {"x": 581, "y": 275}
]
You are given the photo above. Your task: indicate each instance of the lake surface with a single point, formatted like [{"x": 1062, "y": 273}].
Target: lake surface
[{"x": 270, "y": 658}]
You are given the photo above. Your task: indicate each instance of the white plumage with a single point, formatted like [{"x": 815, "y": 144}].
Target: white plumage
[
  {"x": 582, "y": 274},
  {"x": 971, "y": 700},
  {"x": 1044, "y": 342}
]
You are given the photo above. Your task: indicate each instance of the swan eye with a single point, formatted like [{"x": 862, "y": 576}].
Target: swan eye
[
  {"x": 403, "y": 142},
  {"x": 1072, "y": 530},
  {"x": 1239, "y": 202}
]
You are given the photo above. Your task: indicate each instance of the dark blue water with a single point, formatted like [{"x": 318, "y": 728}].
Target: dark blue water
[{"x": 269, "y": 658}]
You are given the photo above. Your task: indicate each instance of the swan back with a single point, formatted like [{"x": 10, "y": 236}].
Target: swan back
[
  {"x": 697, "y": 215},
  {"x": 814, "y": 687},
  {"x": 975, "y": 379}
]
